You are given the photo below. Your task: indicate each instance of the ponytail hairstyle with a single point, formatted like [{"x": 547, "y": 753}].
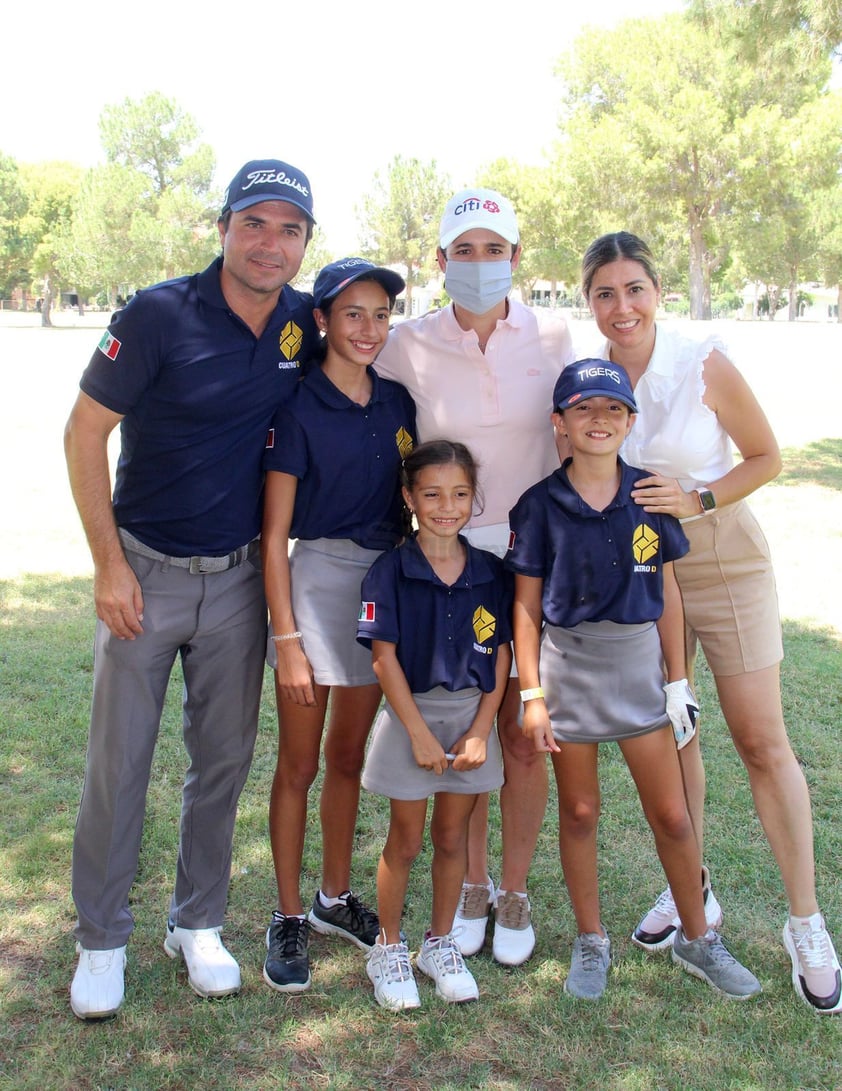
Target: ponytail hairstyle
[
  {"x": 618, "y": 246},
  {"x": 438, "y": 452}
]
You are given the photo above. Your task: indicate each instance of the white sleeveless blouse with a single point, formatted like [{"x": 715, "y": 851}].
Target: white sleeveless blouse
[{"x": 675, "y": 433}]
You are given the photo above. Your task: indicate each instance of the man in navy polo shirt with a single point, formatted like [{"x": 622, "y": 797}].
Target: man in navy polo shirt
[{"x": 193, "y": 370}]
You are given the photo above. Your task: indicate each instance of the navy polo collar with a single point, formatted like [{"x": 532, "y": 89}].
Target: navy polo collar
[
  {"x": 332, "y": 396},
  {"x": 569, "y": 500},
  {"x": 415, "y": 565}
]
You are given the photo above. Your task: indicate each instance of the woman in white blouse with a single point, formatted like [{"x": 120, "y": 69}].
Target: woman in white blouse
[{"x": 694, "y": 407}]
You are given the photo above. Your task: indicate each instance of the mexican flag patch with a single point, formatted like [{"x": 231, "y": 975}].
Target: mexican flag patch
[{"x": 109, "y": 345}]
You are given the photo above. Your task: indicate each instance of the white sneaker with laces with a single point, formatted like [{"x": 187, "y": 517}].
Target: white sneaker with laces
[
  {"x": 656, "y": 930},
  {"x": 390, "y": 973},
  {"x": 514, "y": 936},
  {"x": 441, "y": 959},
  {"x": 98, "y": 984},
  {"x": 472, "y": 914},
  {"x": 815, "y": 967},
  {"x": 211, "y": 969}
]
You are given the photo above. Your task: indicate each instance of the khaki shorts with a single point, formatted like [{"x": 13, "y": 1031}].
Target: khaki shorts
[{"x": 728, "y": 588}]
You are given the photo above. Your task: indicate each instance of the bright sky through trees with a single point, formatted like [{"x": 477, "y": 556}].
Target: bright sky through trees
[{"x": 337, "y": 89}]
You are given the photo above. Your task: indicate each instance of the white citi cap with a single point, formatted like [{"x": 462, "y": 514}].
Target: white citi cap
[{"x": 478, "y": 207}]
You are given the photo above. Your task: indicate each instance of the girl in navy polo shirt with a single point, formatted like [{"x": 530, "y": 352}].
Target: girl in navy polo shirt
[
  {"x": 332, "y": 484},
  {"x": 436, "y": 615},
  {"x": 598, "y": 629}
]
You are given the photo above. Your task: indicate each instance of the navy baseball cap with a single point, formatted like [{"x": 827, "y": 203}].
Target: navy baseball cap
[
  {"x": 593, "y": 379},
  {"x": 335, "y": 277},
  {"x": 268, "y": 180}
]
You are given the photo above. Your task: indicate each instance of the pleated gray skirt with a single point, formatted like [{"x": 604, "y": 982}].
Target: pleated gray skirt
[
  {"x": 603, "y": 681},
  {"x": 391, "y": 770}
]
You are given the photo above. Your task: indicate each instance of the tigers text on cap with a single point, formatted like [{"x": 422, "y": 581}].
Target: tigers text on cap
[
  {"x": 593, "y": 379},
  {"x": 336, "y": 277},
  {"x": 268, "y": 180},
  {"x": 477, "y": 207}
]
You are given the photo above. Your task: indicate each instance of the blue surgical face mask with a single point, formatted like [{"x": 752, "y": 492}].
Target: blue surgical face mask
[{"x": 478, "y": 286}]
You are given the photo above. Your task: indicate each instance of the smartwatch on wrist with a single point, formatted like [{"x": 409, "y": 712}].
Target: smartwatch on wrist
[{"x": 706, "y": 499}]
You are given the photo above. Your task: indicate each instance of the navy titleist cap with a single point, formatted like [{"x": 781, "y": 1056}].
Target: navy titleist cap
[
  {"x": 268, "y": 180},
  {"x": 593, "y": 379},
  {"x": 335, "y": 277}
]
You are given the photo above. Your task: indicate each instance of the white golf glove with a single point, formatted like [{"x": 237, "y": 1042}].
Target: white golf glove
[{"x": 682, "y": 710}]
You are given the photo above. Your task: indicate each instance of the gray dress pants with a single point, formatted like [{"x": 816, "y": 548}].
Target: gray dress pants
[{"x": 217, "y": 624}]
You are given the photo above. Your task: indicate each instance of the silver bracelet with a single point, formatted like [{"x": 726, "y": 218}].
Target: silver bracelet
[{"x": 286, "y": 636}]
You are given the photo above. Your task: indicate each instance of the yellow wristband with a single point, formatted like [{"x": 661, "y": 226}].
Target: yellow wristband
[{"x": 531, "y": 694}]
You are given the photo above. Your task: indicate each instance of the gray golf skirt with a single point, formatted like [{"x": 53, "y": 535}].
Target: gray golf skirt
[
  {"x": 603, "y": 681},
  {"x": 325, "y": 575},
  {"x": 391, "y": 770}
]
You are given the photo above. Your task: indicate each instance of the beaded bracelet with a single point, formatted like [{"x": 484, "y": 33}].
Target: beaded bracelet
[{"x": 286, "y": 636}]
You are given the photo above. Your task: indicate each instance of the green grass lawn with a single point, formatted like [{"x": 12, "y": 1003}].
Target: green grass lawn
[{"x": 655, "y": 1028}]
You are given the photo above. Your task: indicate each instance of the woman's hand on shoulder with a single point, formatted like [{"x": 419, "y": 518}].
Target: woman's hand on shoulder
[{"x": 664, "y": 496}]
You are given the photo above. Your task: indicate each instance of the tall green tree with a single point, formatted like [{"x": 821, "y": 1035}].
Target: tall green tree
[
  {"x": 149, "y": 213},
  {"x": 784, "y": 31},
  {"x": 13, "y": 203},
  {"x": 546, "y": 219},
  {"x": 157, "y": 138},
  {"x": 789, "y": 167},
  {"x": 828, "y": 218},
  {"x": 51, "y": 190},
  {"x": 654, "y": 123},
  {"x": 98, "y": 251},
  {"x": 399, "y": 218}
]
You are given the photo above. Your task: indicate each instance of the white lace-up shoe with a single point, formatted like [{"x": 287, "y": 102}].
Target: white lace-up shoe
[
  {"x": 211, "y": 970},
  {"x": 656, "y": 930},
  {"x": 815, "y": 967},
  {"x": 97, "y": 987},
  {"x": 441, "y": 960},
  {"x": 390, "y": 973},
  {"x": 514, "y": 936},
  {"x": 472, "y": 914}
]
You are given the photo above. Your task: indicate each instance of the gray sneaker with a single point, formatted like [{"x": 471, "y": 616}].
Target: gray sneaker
[
  {"x": 589, "y": 966},
  {"x": 708, "y": 958}
]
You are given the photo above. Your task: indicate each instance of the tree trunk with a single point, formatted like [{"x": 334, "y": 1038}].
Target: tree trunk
[
  {"x": 699, "y": 283},
  {"x": 793, "y": 296},
  {"x": 46, "y": 303}
]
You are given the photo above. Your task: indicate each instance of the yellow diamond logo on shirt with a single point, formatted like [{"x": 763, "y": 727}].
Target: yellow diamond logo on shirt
[
  {"x": 484, "y": 624},
  {"x": 404, "y": 441},
  {"x": 645, "y": 543},
  {"x": 290, "y": 341}
]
